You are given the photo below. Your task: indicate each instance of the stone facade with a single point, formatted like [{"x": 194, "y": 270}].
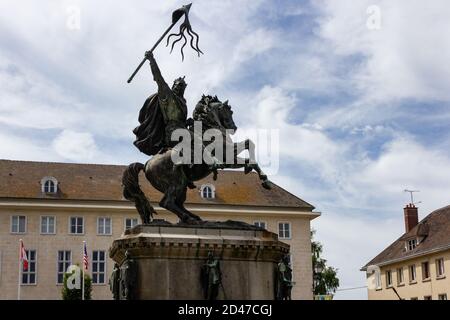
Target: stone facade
[
  {"x": 169, "y": 260},
  {"x": 433, "y": 287}
]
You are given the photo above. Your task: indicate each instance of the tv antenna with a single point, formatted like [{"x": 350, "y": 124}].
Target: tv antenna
[{"x": 411, "y": 193}]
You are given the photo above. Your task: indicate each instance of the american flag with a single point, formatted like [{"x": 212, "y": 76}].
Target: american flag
[{"x": 85, "y": 258}]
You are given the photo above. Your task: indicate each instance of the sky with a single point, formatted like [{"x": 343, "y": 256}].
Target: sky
[{"x": 358, "y": 92}]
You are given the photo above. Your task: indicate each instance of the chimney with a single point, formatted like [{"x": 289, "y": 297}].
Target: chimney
[{"x": 411, "y": 216}]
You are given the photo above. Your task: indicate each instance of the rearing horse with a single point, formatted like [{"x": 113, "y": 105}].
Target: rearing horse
[{"x": 172, "y": 179}]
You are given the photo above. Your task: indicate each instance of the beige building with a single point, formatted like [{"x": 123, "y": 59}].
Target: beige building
[
  {"x": 54, "y": 207},
  {"x": 416, "y": 266}
]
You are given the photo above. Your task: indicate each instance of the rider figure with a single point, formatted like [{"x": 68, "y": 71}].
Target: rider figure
[
  {"x": 172, "y": 105},
  {"x": 171, "y": 101},
  {"x": 173, "y": 108}
]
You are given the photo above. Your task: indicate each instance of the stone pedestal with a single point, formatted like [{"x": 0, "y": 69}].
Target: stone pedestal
[{"x": 169, "y": 260}]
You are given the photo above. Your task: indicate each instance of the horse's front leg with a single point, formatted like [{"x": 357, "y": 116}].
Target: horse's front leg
[
  {"x": 249, "y": 164},
  {"x": 262, "y": 176}
]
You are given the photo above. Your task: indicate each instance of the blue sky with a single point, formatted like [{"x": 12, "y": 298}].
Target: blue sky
[{"x": 362, "y": 112}]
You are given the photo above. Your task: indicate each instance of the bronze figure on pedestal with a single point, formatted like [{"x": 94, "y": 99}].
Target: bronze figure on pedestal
[{"x": 164, "y": 115}]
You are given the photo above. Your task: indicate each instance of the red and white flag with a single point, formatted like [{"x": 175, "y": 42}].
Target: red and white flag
[{"x": 23, "y": 256}]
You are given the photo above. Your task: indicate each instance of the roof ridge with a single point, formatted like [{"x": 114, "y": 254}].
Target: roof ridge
[
  {"x": 290, "y": 193},
  {"x": 434, "y": 211}
]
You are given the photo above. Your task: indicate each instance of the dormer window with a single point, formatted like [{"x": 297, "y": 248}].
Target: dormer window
[
  {"x": 207, "y": 191},
  {"x": 49, "y": 185},
  {"x": 411, "y": 244}
]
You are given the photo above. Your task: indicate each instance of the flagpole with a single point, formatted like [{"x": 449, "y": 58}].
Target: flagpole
[
  {"x": 82, "y": 286},
  {"x": 20, "y": 269}
]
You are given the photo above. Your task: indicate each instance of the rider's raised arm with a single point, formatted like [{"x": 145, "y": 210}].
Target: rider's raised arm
[{"x": 163, "y": 87}]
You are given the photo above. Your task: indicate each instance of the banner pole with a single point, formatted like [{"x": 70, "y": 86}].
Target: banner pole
[
  {"x": 20, "y": 269},
  {"x": 82, "y": 279}
]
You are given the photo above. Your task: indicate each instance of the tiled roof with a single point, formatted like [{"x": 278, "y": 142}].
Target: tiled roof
[
  {"x": 434, "y": 232},
  {"x": 21, "y": 179}
]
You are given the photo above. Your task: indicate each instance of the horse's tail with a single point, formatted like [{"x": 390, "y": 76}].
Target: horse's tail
[{"x": 132, "y": 191}]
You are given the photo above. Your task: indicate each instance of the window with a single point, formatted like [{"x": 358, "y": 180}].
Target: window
[
  {"x": 260, "y": 224},
  {"x": 49, "y": 185},
  {"x": 76, "y": 225},
  {"x": 47, "y": 225},
  {"x": 388, "y": 278},
  {"x": 64, "y": 262},
  {"x": 412, "y": 273},
  {"x": 440, "y": 271},
  {"x": 207, "y": 191},
  {"x": 130, "y": 223},
  {"x": 442, "y": 296},
  {"x": 427, "y": 298},
  {"x": 18, "y": 224},
  {"x": 98, "y": 267},
  {"x": 412, "y": 244},
  {"x": 29, "y": 275},
  {"x": 425, "y": 270},
  {"x": 284, "y": 230},
  {"x": 400, "y": 278},
  {"x": 104, "y": 225}
]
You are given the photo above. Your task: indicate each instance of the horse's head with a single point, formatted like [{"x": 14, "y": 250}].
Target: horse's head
[
  {"x": 226, "y": 116},
  {"x": 214, "y": 114}
]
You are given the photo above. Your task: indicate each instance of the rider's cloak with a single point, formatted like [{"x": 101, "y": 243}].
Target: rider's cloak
[{"x": 150, "y": 132}]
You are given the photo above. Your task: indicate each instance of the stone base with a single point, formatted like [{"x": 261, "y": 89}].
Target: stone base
[{"x": 169, "y": 260}]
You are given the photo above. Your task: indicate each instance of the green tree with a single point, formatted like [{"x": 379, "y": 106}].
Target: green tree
[
  {"x": 325, "y": 280},
  {"x": 75, "y": 294}
]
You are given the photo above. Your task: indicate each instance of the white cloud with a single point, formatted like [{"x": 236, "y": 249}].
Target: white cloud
[
  {"x": 405, "y": 58},
  {"x": 405, "y": 61},
  {"x": 273, "y": 109},
  {"x": 76, "y": 146},
  {"x": 24, "y": 148},
  {"x": 253, "y": 44},
  {"x": 407, "y": 164}
]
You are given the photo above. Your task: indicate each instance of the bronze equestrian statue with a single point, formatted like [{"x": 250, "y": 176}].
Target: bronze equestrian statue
[{"x": 163, "y": 116}]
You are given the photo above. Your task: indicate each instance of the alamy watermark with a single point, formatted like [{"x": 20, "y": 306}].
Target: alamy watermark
[
  {"x": 373, "y": 21},
  {"x": 73, "y": 21},
  {"x": 215, "y": 147},
  {"x": 373, "y": 277},
  {"x": 74, "y": 279}
]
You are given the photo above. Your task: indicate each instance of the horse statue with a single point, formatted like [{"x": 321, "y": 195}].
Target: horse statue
[{"x": 172, "y": 179}]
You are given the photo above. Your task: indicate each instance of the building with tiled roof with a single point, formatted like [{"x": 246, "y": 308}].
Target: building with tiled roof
[
  {"x": 54, "y": 207},
  {"x": 22, "y": 179},
  {"x": 416, "y": 265}
]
